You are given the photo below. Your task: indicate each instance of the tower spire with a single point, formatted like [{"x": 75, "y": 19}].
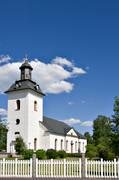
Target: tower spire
[
  {"x": 26, "y": 59},
  {"x": 26, "y": 69}
]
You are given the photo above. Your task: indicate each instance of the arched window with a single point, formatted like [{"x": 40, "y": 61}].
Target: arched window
[
  {"x": 30, "y": 76},
  {"x": 72, "y": 146},
  {"x": 22, "y": 76},
  {"x": 67, "y": 145},
  {"x": 17, "y": 133},
  {"x": 61, "y": 144},
  {"x": 55, "y": 144},
  {"x": 79, "y": 147},
  {"x": 35, "y": 144},
  {"x": 35, "y": 105},
  {"x": 18, "y": 104},
  {"x": 76, "y": 146},
  {"x": 17, "y": 121},
  {"x": 83, "y": 146}
]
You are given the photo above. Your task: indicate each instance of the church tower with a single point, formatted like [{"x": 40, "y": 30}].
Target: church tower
[{"x": 25, "y": 110}]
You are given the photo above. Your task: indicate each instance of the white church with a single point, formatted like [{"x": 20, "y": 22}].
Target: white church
[{"x": 25, "y": 119}]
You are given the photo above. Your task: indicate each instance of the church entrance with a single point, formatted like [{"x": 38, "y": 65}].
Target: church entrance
[
  {"x": 12, "y": 147},
  {"x": 35, "y": 144},
  {"x": 71, "y": 146}
]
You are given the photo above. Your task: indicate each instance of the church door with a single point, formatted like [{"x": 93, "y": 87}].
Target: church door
[{"x": 35, "y": 144}]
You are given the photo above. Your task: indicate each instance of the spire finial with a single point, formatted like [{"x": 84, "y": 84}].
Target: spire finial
[{"x": 26, "y": 60}]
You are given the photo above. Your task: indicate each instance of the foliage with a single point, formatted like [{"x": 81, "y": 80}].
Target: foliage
[
  {"x": 19, "y": 145},
  {"x": 51, "y": 154},
  {"x": 88, "y": 137},
  {"x": 102, "y": 130},
  {"x": 40, "y": 154},
  {"x": 61, "y": 154},
  {"x": 27, "y": 153},
  {"x": 3, "y": 135},
  {"x": 115, "y": 127},
  {"x": 91, "y": 151},
  {"x": 74, "y": 155},
  {"x": 103, "y": 151}
]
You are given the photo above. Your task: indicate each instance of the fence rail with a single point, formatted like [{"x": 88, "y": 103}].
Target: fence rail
[{"x": 102, "y": 169}]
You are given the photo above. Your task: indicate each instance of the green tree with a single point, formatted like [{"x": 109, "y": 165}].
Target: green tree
[
  {"x": 102, "y": 131},
  {"x": 88, "y": 137},
  {"x": 91, "y": 151},
  {"x": 19, "y": 145},
  {"x": 3, "y": 135},
  {"x": 115, "y": 127}
]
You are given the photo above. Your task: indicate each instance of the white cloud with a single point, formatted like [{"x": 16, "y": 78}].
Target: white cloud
[
  {"x": 87, "y": 123},
  {"x": 87, "y": 68},
  {"x": 3, "y": 112},
  {"x": 52, "y": 77},
  {"x": 78, "y": 71},
  {"x": 83, "y": 101},
  {"x": 4, "y": 58},
  {"x": 70, "y": 103},
  {"x": 72, "y": 121},
  {"x": 62, "y": 61}
]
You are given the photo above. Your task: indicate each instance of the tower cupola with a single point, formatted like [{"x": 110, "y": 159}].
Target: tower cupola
[{"x": 26, "y": 70}]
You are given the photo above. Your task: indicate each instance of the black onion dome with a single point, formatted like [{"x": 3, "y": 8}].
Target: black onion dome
[{"x": 26, "y": 65}]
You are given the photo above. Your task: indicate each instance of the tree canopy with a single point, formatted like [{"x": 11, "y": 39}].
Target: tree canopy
[{"x": 3, "y": 135}]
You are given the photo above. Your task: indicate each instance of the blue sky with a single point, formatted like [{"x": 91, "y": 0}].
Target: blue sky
[{"x": 84, "y": 33}]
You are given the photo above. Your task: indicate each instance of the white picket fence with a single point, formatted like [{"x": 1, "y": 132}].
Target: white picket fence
[
  {"x": 102, "y": 169},
  {"x": 58, "y": 168},
  {"x": 15, "y": 168}
]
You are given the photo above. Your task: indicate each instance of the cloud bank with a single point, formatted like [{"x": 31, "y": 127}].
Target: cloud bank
[
  {"x": 4, "y": 58},
  {"x": 52, "y": 77},
  {"x": 72, "y": 121},
  {"x": 3, "y": 112}
]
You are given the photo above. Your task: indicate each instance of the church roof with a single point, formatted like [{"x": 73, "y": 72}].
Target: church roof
[
  {"x": 25, "y": 84},
  {"x": 58, "y": 127},
  {"x": 25, "y": 65}
]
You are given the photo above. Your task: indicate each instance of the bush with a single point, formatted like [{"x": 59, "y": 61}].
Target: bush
[
  {"x": 92, "y": 151},
  {"x": 61, "y": 154},
  {"x": 111, "y": 156},
  {"x": 19, "y": 145},
  {"x": 40, "y": 154},
  {"x": 78, "y": 155},
  {"x": 27, "y": 153},
  {"x": 51, "y": 154}
]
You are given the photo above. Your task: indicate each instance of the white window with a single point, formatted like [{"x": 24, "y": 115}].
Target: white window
[
  {"x": 55, "y": 144},
  {"x": 35, "y": 105},
  {"x": 76, "y": 146},
  {"x": 18, "y": 104},
  {"x": 61, "y": 144}
]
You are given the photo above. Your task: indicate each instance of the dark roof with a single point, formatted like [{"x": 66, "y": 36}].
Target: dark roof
[
  {"x": 25, "y": 84},
  {"x": 58, "y": 127},
  {"x": 25, "y": 65}
]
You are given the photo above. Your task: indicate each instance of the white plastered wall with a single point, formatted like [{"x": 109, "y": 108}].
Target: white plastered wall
[{"x": 29, "y": 119}]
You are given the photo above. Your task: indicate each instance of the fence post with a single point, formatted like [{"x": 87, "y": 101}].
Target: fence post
[
  {"x": 3, "y": 167},
  {"x": 101, "y": 167},
  {"x": 31, "y": 167},
  {"x": 64, "y": 167},
  {"x": 51, "y": 167},
  {"x": 16, "y": 167},
  {"x": 34, "y": 165},
  {"x": 86, "y": 167},
  {"x": 83, "y": 165},
  {"x": 115, "y": 168}
]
